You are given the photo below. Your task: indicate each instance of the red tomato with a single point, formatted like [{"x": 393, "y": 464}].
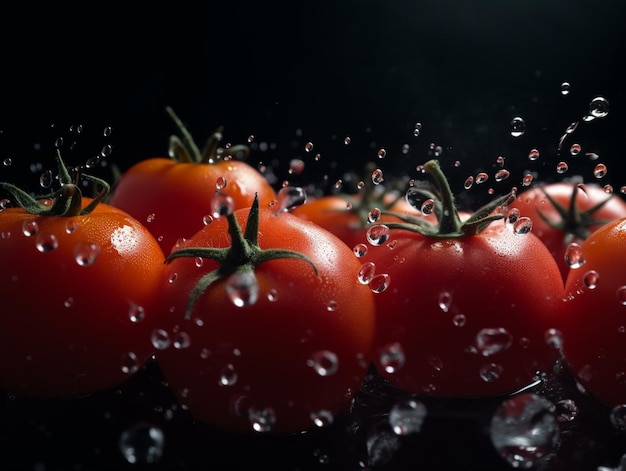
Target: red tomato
[
  {"x": 78, "y": 298},
  {"x": 174, "y": 197},
  {"x": 595, "y": 308},
  {"x": 564, "y": 212},
  {"x": 289, "y": 360},
  {"x": 463, "y": 312}
]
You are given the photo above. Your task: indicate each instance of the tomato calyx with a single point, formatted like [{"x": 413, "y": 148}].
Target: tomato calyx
[
  {"x": 238, "y": 260},
  {"x": 184, "y": 149},
  {"x": 449, "y": 224},
  {"x": 572, "y": 221},
  {"x": 66, "y": 201}
]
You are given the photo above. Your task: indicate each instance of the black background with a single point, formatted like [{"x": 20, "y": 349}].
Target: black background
[{"x": 288, "y": 73}]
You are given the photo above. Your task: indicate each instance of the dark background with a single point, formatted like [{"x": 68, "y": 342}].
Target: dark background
[
  {"x": 292, "y": 72},
  {"x": 289, "y": 73}
]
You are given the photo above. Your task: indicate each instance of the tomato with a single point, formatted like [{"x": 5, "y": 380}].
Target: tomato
[
  {"x": 155, "y": 190},
  {"x": 566, "y": 212},
  {"x": 78, "y": 295},
  {"x": 349, "y": 216},
  {"x": 278, "y": 337},
  {"x": 464, "y": 308},
  {"x": 595, "y": 307}
]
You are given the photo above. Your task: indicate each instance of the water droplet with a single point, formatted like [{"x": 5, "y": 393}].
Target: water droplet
[
  {"x": 347, "y": 140},
  {"x": 181, "y": 340},
  {"x": 324, "y": 362},
  {"x": 130, "y": 363},
  {"x": 590, "y": 279},
  {"x": 524, "y": 430},
  {"x": 30, "y": 228},
  {"x": 575, "y": 149},
  {"x": 490, "y": 372},
  {"x": 272, "y": 295},
  {"x": 459, "y": 320},
  {"x": 554, "y": 338},
  {"x": 290, "y": 197},
  {"x": 445, "y": 300},
  {"x": 490, "y": 341},
  {"x": 160, "y": 339},
  {"x": 500, "y": 161},
  {"x": 296, "y": 166},
  {"x": 469, "y": 181},
  {"x": 533, "y": 154},
  {"x": 512, "y": 215},
  {"x": 518, "y": 127},
  {"x": 377, "y": 176},
  {"x": 523, "y": 225},
  {"x": 71, "y": 226},
  {"x": 228, "y": 375},
  {"x": 392, "y": 358},
  {"x": 562, "y": 167},
  {"x": 331, "y": 306},
  {"x": 360, "y": 250},
  {"x": 566, "y": 410},
  {"x": 220, "y": 183},
  {"x": 86, "y": 253},
  {"x": 46, "y": 179},
  {"x": 502, "y": 174},
  {"x": 600, "y": 171},
  {"x": 621, "y": 295},
  {"x": 379, "y": 283},
  {"x": 69, "y": 302},
  {"x": 482, "y": 177},
  {"x": 7, "y": 162},
  {"x": 262, "y": 420},
  {"x": 378, "y": 234},
  {"x": 221, "y": 205},
  {"x": 527, "y": 179},
  {"x": 574, "y": 257},
  {"x": 142, "y": 443},
  {"x": 565, "y": 88},
  {"x": 407, "y": 416},
  {"x": 242, "y": 288},
  {"x": 308, "y": 147},
  {"x": 366, "y": 273},
  {"x": 599, "y": 107},
  {"x": 322, "y": 418},
  {"x": 428, "y": 207},
  {"x": 382, "y": 153},
  {"x": 136, "y": 313},
  {"x": 46, "y": 242},
  {"x": 374, "y": 215},
  {"x": 617, "y": 417}
]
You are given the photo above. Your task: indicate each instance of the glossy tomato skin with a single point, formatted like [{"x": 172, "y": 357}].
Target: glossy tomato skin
[
  {"x": 173, "y": 199},
  {"x": 296, "y": 356},
  {"x": 78, "y": 301},
  {"x": 595, "y": 306},
  {"x": 464, "y": 317},
  {"x": 534, "y": 199}
]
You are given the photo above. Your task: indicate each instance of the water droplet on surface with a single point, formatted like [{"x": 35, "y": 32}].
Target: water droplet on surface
[
  {"x": 228, "y": 375},
  {"x": 142, "y": 443},
  {"x": 160, "y": 339},
  {"x": 181, "y": 340},
  {"x": 599, "y": 107},
  {"x": 490, "y": 372},
  {"x": 378, "y": 234},
  {"x": 360, "y": 250},
  {"x": 524, "y": 430},
  {"x": 366, "y": 273},
  {"x": 428, "y": 207},
  {"x": 242, "y": 288},
  {"x": 523, "y": 225},
  {"x": 379, "y": 283},
  {"x": 518, "y": 127},
  {"x": 30, "y": 228},
  {"x": 574, "y": 257},
  {"x": 324, "y": 362},
  {"x": 554, "y": 338},
  {"x": 490, "y": 341},
  {"x": 590, "y": 279},
  {"x": 290, "y": 197},
  {"x": 407, "y": 416},
  {"x": 445, "y": 300},
  {"x": 620, "y": 293},
  {"x": 86, "y": 253},
  {"x": 46, "y": 242}
]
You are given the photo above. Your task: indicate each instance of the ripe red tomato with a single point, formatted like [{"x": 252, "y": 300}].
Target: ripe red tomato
[
  {"x": 595, "y": 307},
  {"x": 286, "y": 360},
  {"x": 566, "y": 212},
  {"x": 174, "y": 197},
  {"x": 466, "y": 309},
  {"x": 78, "y": 296}
]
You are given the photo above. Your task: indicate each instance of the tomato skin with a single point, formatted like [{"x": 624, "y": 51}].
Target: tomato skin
[
  {"x": 174, "y": 198},
  {"x": 443, "y": 292},
  {"x": 533, "y": 200},
  {"x": 267, "y": 348},
  {"x": 66, "y": 328},
  {"x": 595, "y": 306}
]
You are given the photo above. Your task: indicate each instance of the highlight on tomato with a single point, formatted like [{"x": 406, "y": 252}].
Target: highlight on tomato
[
  {"x": 594, "y": 330},
  {"x": 466, "y": 307},
  {"x": 155, "y": 189},
  {"x": 79, "y": 280},
  {"x": 267, "y": 327},
  {"x": 567, "y": 212}
]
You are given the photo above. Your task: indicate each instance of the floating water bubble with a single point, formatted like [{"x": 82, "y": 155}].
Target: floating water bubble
[
  {"x": 290, "y": 197},
  {"x": 347, "y": 140},
  {"x": 160, "y": 339},
  {"x": 7, "y": 161},
  {"x": 228, "y": 375},
  {"x": 407, "y": 416},
  {"x": 130, "y": 363},
  {"x": 46, "y": 242},
  {"x": 86, "y": 253},
  {"x": 500, "y": 161},
  {"x": 600, "y": 171},
  {"x": 366, "y": 273},
  {"x": 262, "y": 420},
  {"x": 142, "y": 443},
  {"x": 533, "y": 154},
  {"x": 322, "y": 418},
  {"x": 360, "y": 250},
  {"x": 242, "y": 288},
  {"x": 575, "y": 149},
  {"x": 392, "y": 358},
  {"x": 382, "y": 153},
  {"x": 374, "y": 215},
  {"x": 490, "y": 372},
  {"x": 308, "y": 147},
  {"x": 136, "y": 313},
  {"x": 565, "y": 88},
  {"x": 377, "y": 235},
  {"x": 221, "y": 205},
  {"x": 445, "y": 300},
  {"x": 377, "y": 176},
  {"x": 379, "y": 283},
  {"x": 566, "y": 410},
  {"x": 527, "y": 179},
  {"x": 296, "y": 166},
  {"x": 469, "y": 181},
  {"x": 620, "y": 294},
  {"x": 481, "y": 177},
  {"x": 490, "y": 341},
  {"x": 518, "y": 127},
  {"x": 554, "y": 338},
  {"x": 562, "y": 167},
  {"x": 324, "y": 362},
  {"x": 524, "y": 430},
  {"x": 181, "y": 340},
  {"x": 523, "y": 225},
  {"x": 501, "y": 175},
  {"x": 599, "y": 107}
]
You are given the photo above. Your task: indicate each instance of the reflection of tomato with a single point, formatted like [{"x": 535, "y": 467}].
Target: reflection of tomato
[
  {"x": 594, "y": 343},
  {"x": 567, "y": 212},
  {"x": 463, "y": 310},
  {"x": 174, "y": 197},
  {"x": 78, "y": 296},
  {"x": 271, "y": 346}
]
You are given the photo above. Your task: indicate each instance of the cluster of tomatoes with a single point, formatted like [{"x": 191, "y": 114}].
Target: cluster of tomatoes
[{"x": 265, "y": 309}]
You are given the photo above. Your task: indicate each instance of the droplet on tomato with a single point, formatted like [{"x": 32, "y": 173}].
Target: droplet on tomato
[
  {"x": 46, "y": 242},
  {"x": 574, "y": 256},
  {"x": 590, "y": 279},
  {"x": 160, "y": 339},
  {"x": 407, "y": 416},
  {"x": 324, "y": 362},
  {"x": 360, "y": 250},
  {"x": 366, "y": 273},
  {"x": 445, "y": 300},
  {"x": 379, "y": 283},
  {"x": 378, "y": 234},
  {"x": 523, "y": 225},
  {"x": 228, "y": 375},
  {"x": 86, "y": 253},
  {"x": 620, "y": 293},
  {"x": 242, "y": 288}
]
